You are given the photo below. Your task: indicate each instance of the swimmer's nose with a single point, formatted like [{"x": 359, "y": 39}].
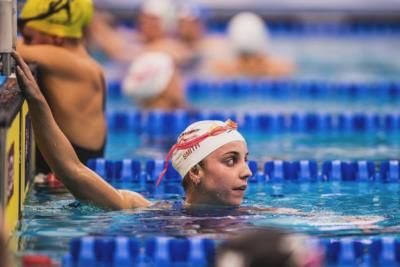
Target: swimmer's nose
[{"x": 246, "y": 172}]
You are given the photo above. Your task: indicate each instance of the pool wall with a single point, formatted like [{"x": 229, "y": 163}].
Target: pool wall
[{"x": 16, "y": 147}]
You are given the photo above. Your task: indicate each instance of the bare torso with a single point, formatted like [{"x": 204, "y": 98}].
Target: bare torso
[
  {"x": 74, "y": 87},
  {"x": 253, "y": 66}
]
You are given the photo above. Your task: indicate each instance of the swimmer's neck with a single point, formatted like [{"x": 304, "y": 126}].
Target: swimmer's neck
[
  {"x": 207, "y": 206},
  {"x": 252, "y": 58},
  {"x": 77, "y": 47}
]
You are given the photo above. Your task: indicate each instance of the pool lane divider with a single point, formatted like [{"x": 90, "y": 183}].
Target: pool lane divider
[
  {"x": 284, "y": 89},
  {"x": 158, "y": 123},
  {"x": 124, "y": 251},
  {"x": 293, "y": 28},
  {"x": 196, "y": 251},
  {"x": 130, "y": 170},
  {"x": 304, "y": 29}
]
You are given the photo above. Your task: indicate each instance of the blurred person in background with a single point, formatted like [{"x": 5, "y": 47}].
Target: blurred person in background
[
  {"x": 72, "y": 82},
  {"x": 157, "y": 24},
  {"x": 249, "y": 40},
  {"x": 107, "y": 41},
  {"x": 153, "y": 81},
  {"x": 156, "y": 27},
  {"x": 193, "y": 33},
  {"x": 269, "y": 247}
]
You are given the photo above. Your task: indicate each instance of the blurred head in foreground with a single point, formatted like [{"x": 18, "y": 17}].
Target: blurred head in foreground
[
  {"x": 154, "y": 82},
  {"x": 269, "y": 247}
]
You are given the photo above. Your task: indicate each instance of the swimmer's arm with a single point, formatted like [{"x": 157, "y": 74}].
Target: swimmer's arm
[
  {"x": 283, "y": 211},
  {"x": 82, "y": 182},
  {"x": 280, "y": 67},
  {"x": 50, "y": 58}
]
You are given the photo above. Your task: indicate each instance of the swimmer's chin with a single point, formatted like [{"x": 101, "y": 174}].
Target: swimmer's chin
[{"x": 206, "y": 206}]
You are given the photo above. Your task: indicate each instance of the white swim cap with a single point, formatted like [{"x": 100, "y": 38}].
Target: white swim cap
[
  {"x": 248, "y": 34},
  {"x": 149, "y": 75},
  {"x": 198, "y": 141},
  {"x": 165, "y": 10},
  {"x": 190, "y": 9}
]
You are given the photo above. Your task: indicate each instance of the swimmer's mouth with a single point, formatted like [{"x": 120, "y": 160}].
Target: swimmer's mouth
[{"x": 240, "y": 188}]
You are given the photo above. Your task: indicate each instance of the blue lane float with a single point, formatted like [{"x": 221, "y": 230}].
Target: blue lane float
[
  {"x": 284, "y": 89},
  {"x": 194, "y": 251},
  {"x": 129, "y": 170},
  {"x": 2, "y": 79},
  {"x": 124, "y": 251},
  {"x": 298, "y": 28},
  {"x": 325, "y": 29},
  {"x": 159, "y": 123}
]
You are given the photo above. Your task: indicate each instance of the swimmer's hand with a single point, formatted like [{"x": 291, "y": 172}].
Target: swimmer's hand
[
  {"x": 26, "y": 81},
  {"x": 283, "y": 211}
]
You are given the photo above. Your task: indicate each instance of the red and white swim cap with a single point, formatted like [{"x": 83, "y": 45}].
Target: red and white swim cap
[
  {"x": 198, "y": 141},
  {"x": 148, "y": 76},
  {"x": 215, "y": 133}
]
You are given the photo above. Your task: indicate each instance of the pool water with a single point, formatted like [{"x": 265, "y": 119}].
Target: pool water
[
  {"x": 341, "y": 59},
  {"x": 244, "y": 104},
  {"x": 365, "y": 58},
  {"x": 326, "y": 209},
  {"x": 263, "y": 147}
]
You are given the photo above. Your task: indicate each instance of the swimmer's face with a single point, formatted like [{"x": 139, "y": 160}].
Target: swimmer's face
[
  {"x": 224, "y": 174},
  {"x": 189, "y": 29},
  {"x": 150, "y": 27},
  {"x": 35, "y": 37}
]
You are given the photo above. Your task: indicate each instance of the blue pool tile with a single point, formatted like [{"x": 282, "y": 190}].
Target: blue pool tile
[
  {"x": 363, "y": 170},
  {"x": 303, "y": 171},
  {"x": 276, "y": 171},
  {"x": 336, "y": 170},
  {"x": 385, "y": 251},
  {"x": 127, "y": 170},
  {"x": 347, "y": 255},
  {"x": 102, "y": 167},
  {"x": 153, "y": 169},
  {"x": 390, "y": 171},
  {"x": 114, "y": 88},
  {"x": 87, "y": 256}
]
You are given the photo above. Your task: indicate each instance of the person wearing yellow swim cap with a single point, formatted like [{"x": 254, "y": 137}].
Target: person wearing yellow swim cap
[
  {"x": 72, "y": 82},
  {"x": 62, "y": 18}
]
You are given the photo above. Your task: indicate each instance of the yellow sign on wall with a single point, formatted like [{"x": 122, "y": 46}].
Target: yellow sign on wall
[{"x": 12, "y": 174}]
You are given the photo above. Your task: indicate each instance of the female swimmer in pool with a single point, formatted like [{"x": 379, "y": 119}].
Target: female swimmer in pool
[{"x": 210, "y": 155}]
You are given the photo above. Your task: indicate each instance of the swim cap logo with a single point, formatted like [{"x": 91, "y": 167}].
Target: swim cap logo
[
  {"x": 189, "y": 151},
  {"x": 184, "y": 136},
  {"x": 54, "y": 10},
  {"x": 144, "y": 74}
]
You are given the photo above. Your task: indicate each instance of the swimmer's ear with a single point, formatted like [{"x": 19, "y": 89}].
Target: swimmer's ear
[
  {"x": 57, "y": 41},
  {"x": 195, "y": 174}
]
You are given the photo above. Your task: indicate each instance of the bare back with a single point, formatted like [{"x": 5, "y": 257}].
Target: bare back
[{"x": 73, "y": 84}]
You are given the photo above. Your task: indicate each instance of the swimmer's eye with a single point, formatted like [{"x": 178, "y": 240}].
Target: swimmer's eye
[
  {"x": 27, "y": 39},
  {"x": 231, "y": 161}
]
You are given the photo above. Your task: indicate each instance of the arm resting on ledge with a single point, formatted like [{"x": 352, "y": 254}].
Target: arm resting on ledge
[{"x": 82, "y": 182}]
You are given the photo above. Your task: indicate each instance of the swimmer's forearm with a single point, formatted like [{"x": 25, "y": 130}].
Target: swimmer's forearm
[
  {"x": 84, "y": 184},
  {"x": 55, "y": 147}
]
